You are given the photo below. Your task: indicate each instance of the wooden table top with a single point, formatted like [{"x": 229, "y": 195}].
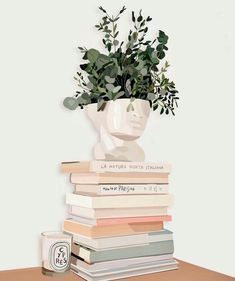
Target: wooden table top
[{"x": 186, "y": 272}]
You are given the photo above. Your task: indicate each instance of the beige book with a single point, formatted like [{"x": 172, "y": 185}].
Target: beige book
[
  {"x": 117, "y": 212},
  {"x": 110, "y": 178},
  {"x": 121, "y": 189},
  {"x": 100, "y": 166},
  {"x": 111, "y": 230}
]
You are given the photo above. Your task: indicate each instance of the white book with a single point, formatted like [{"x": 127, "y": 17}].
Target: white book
[
  {"x": 118, "y": 264},
  {"x": 118, "y": 201},
  {"x": 116, "y": 212},
  {"x": 109, "y": 243},
  {"x": 128, "y": 272},
  {"x": 121, "y": 189}
]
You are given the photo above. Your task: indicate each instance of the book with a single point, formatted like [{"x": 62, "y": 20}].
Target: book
[
  {"x": 110, "y": 230},
  {"x": 107, "y": 266},
  {"x": 119, "y": 201},
  {"x": 124, "y": 273},
  {"x": 121, "y": 220},
  {"x": 121, "y": 189},
  {"x": 117, "y": 178},
  {"x": 117, "y": 212},
  {"x": 99, "y": 166},
  {"x": 91, "y": 256},
  {"x": 122, "y": 241}
]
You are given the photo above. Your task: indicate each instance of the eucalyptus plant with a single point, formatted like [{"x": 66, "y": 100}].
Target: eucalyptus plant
[{"x": 133, "y": 70}]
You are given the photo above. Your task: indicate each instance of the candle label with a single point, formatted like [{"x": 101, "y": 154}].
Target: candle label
[{"x": 59, "y": 256}]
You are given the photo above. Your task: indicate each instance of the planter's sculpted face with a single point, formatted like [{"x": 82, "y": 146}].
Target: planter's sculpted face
[
  {"x": 119, "y": 128},
  {"x": 127, "y": 125}
]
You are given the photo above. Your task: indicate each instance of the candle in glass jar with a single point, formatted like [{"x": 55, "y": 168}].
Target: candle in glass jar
[{"x": 56, "y": 250}]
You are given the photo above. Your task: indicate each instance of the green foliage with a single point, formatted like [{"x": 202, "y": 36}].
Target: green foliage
[{"x": 131, "y": 70}]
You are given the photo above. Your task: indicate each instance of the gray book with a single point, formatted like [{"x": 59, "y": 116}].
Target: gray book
[{"x": 91, "y": 256}]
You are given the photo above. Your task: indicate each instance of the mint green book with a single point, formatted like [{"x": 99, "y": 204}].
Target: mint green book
[{"x": 152, "y": 249}]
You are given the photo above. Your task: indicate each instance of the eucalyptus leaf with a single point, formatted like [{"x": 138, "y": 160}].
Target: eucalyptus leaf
[
  {"x": 110, "y": 87},
  {"x": 70, "y": 103},
  {"x": 154, "y": 54},
  {"x": 92, "y": 55},
  {"x": 92, "y": 79},
  {"x": 109, "y": 79},
  {"x": 101, "y": 90},
  {"x": 116, "y": 89},
  {"x": 101, "y": 105},
  {"x": 113, "y": 72},
  {"x": 161, "y": 55},
  {"x": 140, "y": 65},
  {"x": 90, "y": 85},
  {"x": 151, "y": 96},
  {"x": 130, "y": 107},
  {"x": 144, "y": 71},
  {"x": 118, "y": 95}
]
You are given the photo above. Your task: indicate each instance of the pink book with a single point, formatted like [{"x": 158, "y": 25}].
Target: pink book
[{"x": 123, "y": 220}]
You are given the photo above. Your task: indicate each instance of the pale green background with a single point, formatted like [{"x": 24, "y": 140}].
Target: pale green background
[{"x": 38, "y": 59}]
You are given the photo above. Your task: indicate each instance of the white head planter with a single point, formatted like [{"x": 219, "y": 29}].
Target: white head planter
[{"x": 119, "y": 128}]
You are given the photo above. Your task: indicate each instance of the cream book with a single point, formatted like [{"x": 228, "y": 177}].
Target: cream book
[
  {"x": 117, "y": 212},
  {"x": 122, "y": 189},
  {"x": 118, "y": 201},
  {"x": 113, "y": 166},
  {"x": 114, "y": 178}
]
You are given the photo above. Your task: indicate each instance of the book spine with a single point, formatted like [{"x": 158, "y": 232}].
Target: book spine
[
  {"x": 122, "y": 166},
  {"x": 121, "y": 189}
]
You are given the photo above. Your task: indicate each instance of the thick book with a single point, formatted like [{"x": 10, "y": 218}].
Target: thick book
[
  {"x": 120, "y": 220},
  {"x": 110, "y": 230},
  {"x": 99, "y": 166},
  {"x": 117, "y": 212},
  {"x": 117, "y": 178},
  {"x": 122, "y": 264},
  {"x": 119, "y": 201},
  {"x": 122, "y": 241},
  {"x": 121, "y": 189},
  {"x": 126, "y": 272},
  {"x": 152, "y": 249}
]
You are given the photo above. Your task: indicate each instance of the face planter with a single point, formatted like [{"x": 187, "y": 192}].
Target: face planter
[{"x": 119, "y": 129}]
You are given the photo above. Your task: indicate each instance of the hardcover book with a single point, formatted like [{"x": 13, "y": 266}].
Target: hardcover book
[
  {"x": 117, "y": 178},
  {"x": 134, "y": 201},
  {"x": 117, "y": 212},
  {"x": 113, "y": 166},
  {"x": 122, "y": 241},
  {"x": 121, "y": 189},
  {"x": 152, "y": 249},
  {"x": 111, "y": 230}
]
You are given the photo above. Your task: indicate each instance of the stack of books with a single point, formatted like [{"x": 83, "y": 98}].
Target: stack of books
[{"x": 116, "y": 217}]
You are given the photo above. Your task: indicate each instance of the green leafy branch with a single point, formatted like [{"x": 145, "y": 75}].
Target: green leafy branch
[
  {"x": 131, "y": 73},
  {"x": 111, "y": 33}
]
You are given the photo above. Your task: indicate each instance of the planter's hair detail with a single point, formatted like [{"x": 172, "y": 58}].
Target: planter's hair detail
[{"x": 133, "y": 70}]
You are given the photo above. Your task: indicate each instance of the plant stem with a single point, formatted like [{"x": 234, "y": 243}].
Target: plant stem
[{"x": 113, "y": 35}]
